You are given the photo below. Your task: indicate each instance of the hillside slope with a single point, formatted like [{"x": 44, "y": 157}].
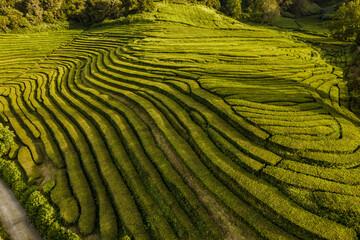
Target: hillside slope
[{"x": 185, "y": 124}]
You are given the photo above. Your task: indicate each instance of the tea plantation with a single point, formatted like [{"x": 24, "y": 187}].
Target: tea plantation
[{"x": 184, "y": 124}]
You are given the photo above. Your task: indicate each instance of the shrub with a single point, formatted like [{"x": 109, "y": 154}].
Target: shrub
[
  {"x": 35, "y": 201},
  {"x": 57, "y": 232},
  {"x": 46, "y": 215},
  {"x": 6, "y": 138}
]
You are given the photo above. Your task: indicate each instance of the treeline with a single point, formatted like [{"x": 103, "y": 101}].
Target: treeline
[
  {"x": 16, "y": 14},
  {"x": 268, "y": 11},
  {"x": 24, "y": 13}
]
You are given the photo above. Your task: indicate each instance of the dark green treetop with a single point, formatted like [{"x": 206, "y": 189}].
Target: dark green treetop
[{"x": 346, "y": 23}]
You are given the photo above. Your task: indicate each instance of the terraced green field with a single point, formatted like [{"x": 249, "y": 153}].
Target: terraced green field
[{"x": 188, "y": 125}]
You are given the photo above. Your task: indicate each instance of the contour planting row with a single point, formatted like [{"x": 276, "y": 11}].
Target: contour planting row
[
  {"x": 145, "y": 168},
  {"x": 95, "y": 78},
  {"x": 126, "y": 218},
  {"x": 21, "y": 51},
  {"x": 68, "y": 153},
  {"x": 53, "y": 106},
  {"x": 348, "y": 144}
]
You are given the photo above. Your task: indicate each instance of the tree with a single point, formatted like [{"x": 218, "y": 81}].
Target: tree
[
  {"x": 135, "y": 6},
  {"x": 213, "y": 3},
  {"x": 34, "y": 11},
  {"x": 304, "y": 8},
  {"x": 346, "y": 22},
  {"x": 285, "y": 4},
  {"x": 4, "y": 23},
  {"x": 271, "y": 11},
  {"x": 98, "y": 10},
  {"x": 233, "y": 8},
  {"x": 6, "y": 139},
  {"x": 52, "y": 10},
  {"x": 264, "y": 11},
  {"x": 73, "y": 9}
]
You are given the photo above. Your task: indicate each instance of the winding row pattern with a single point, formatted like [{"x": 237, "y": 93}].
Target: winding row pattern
[{"x": 164, "y": 131}]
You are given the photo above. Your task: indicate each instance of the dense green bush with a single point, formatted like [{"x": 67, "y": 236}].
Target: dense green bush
[{"x": 6, "y": 136}]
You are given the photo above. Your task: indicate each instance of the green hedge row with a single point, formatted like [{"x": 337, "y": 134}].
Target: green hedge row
[{"x": 86, "y": 124}]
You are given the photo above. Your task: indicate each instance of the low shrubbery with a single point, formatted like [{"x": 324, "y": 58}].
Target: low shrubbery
[{"x": 6, "y": 139}]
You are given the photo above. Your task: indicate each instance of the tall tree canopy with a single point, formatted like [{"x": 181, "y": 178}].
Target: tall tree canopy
[
  {"x": 233, "y": 8},
  {"x": 346, "y": 23},
  {"x": 264, "y": 11},
  {"x": 23, "y": 13}
]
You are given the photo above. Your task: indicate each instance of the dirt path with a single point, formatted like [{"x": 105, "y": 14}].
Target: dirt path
[{"x": 13, "y": 216}]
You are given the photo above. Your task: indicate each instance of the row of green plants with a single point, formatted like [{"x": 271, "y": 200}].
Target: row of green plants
[
  {"x": 142, "y": 102},
  {"x": 62, "y": 194},
  {"x": 34, "y": 102},
  {"x": 136, "y": 151},
  {"x": 52, "y": 150}
]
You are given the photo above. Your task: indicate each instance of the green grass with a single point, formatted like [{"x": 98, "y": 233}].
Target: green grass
[{"x": 182, "y": 123}]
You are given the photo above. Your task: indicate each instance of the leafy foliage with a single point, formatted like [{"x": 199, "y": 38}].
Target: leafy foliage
[
  {"x": 3, "y": 234},
  {"x": 271, "y": 11},
  {"x": 6, "y": 139},
  {"x": 346, "y": 23},
  {"x": 233, "y": 8},
  {"x": 264, "y": 11},
  {"x": 16, "y": 14}
]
